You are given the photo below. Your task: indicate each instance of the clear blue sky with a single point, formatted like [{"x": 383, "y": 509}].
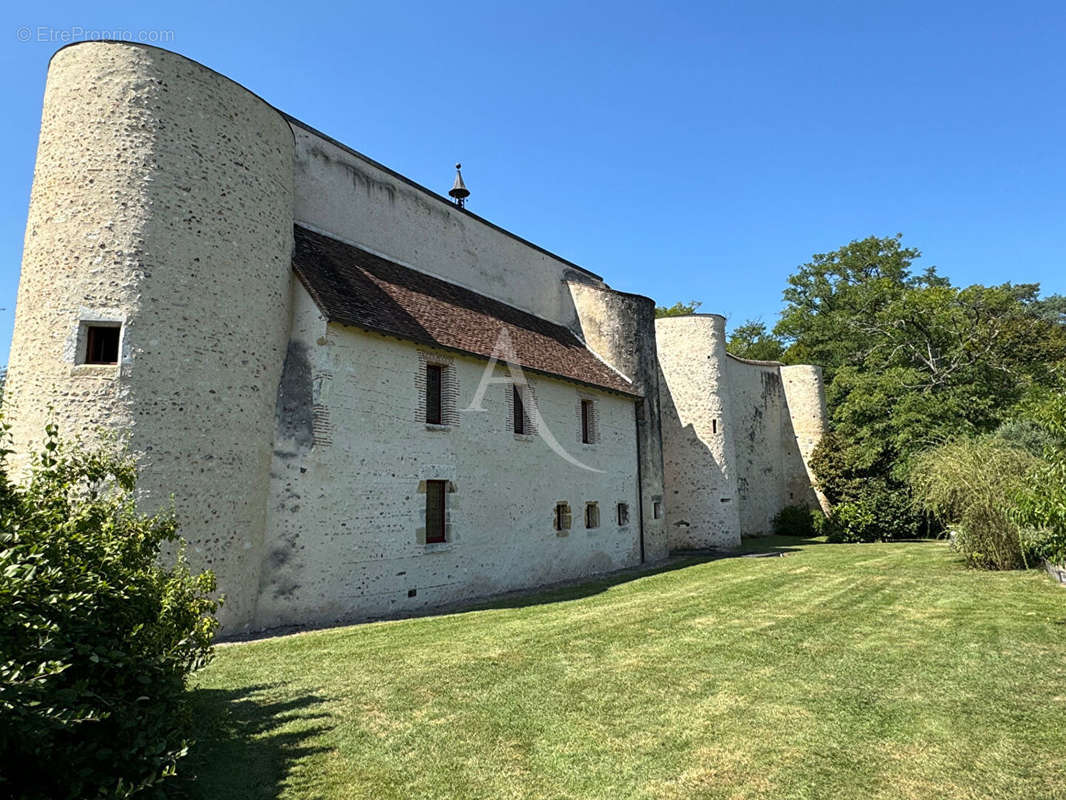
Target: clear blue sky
[{"x": 689, "y": 151}]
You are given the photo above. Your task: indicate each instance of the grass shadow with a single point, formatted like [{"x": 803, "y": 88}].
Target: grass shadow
[
  {"x": 572, "y": 589},
  {"x": 588, "y": 586},
  {"x": 775, "y": 545},
  {"x": 244, "y": 744},
  {"x": 583, "y": 587}
]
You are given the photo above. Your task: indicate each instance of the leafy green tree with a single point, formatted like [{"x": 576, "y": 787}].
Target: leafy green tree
[
  {"x": 678, "y": 309},
  {"x": 827, "y": 297},
  {"x": 96, "y": 636},
  {"x": 910, "y": 361},
  {"x": 752, "y": 340}
]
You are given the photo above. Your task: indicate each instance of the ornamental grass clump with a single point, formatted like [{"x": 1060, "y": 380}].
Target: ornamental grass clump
[
  {"x": 969, "y": 486},
  {"x": 97, "y": 636}
]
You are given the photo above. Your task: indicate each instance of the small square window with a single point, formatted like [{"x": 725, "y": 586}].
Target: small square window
[
  {"x": 101, "y": 343},
  {"x": 592, "y": 515},
  {"x": 623, "y": 514},
  {"x": 562, "y": 516}
]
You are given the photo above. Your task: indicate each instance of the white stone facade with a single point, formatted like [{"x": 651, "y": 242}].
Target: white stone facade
[{"x": 296, "y": 449}]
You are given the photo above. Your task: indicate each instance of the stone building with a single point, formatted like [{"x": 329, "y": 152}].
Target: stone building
[{"x": 364, "y": 399}]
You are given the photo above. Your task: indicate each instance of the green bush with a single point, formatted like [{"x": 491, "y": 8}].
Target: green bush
[
  {"x": 1041, "y": 502},
  {"x": 1026, "y": 434},
  {"x": 970, "y": 485},
  {"x": 875, "y": 513},
  {"x": 96, "y": 637},
  {"x": 797, "y": 521},
  {"x": 867, "y": 504}
]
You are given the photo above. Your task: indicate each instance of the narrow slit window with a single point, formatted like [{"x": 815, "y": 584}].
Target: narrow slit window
[
  {"x": 714, "y": 426},
  {"x": 657, "y": 509},
  {"x": 586, "y": 421},
  {"x": 519, "y": 410},
  {"x": 592, "y": 515},
  {"x": 623, "y": 514},
  {"x": 101, "y": 344},
  {"x": 434, "y": 404},
  {"x": 436, "y": 491}
]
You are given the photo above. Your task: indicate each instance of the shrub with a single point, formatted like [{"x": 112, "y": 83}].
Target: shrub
[
  {"x": 1041, "y": 501},
  {"x": 1026, "y": 434},
  {"x": 868, "y": 503},
  {"x": 970, "y": 484},
  {"x": 96, "y": 637},
  {"x": 797, "y": 521},
  {"x": 875, "y": 513}
]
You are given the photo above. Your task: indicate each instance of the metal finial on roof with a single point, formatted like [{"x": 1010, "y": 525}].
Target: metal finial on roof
[{"x": 459, "y": 190}]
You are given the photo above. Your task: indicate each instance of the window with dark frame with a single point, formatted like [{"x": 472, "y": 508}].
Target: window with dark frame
[
  {"x": 623, "y": 513},
  {"x": 435, "y": 526},
  {"x": 101, "y": 344},
  {"x": 519, "y": 410},
  {"x": 562, "y": 516},
  {"x": 586, "y": 421},
  {"x": 592, "y": 515},
  {"x": 434, "y": 402}
]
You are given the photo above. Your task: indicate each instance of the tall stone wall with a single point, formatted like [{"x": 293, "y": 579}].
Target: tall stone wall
[
  {"x": 162, "y": 200},
  {"x": 805, "y": 395},
  {"x": 348, "y": 196},
  {"x": 737, "y": 435},
  {"x": 762, "y": 433},
  {"x": 620, "y": 328},
  {"x": 778, "y": 418},
  {"x": 699, "y": 458},
  {"x": 347, "y": 508}
]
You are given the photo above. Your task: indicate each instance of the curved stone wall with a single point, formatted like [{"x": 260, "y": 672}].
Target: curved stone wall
[
  {"x": 620, "y": 328},
  {"x": 699, "y": 458},
  {"x": 805, "y": 394},
  {"x": 162, "y": 200}
]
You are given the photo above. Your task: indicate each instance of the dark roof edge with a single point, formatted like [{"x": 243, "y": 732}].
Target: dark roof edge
[
  {"x": 478, "y": 356},
  {"x": 414, "y": 184},
  {"x": 294, "y": 121},
  {"x": 317, "y": 300}
]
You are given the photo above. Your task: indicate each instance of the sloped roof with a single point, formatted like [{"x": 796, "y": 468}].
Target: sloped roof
[{"x": 354, "y": 287}]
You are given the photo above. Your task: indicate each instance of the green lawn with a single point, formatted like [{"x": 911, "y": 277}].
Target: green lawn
[{"x": 838, "y": 671}]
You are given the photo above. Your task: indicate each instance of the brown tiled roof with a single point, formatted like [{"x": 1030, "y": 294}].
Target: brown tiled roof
[{"x": 354, "y": 287}]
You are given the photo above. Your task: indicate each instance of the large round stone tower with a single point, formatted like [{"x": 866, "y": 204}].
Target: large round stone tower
[
  {"x": 699, "y": 455},
  {"x": 155, "y": 288}
]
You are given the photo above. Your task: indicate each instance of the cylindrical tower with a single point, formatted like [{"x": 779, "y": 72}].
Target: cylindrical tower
[
  {"x": 699, "y": 457},
  {"x": 154, "y": 293},
  {"x": 805, "y": 395},
  {"x": 620, "y": 327}
]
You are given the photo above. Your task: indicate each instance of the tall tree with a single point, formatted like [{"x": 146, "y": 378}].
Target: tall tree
[
  {"x": 752, "y": 340},
  {"x": 910, "y": 360},
  {"x": 678, "y": 309}
]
